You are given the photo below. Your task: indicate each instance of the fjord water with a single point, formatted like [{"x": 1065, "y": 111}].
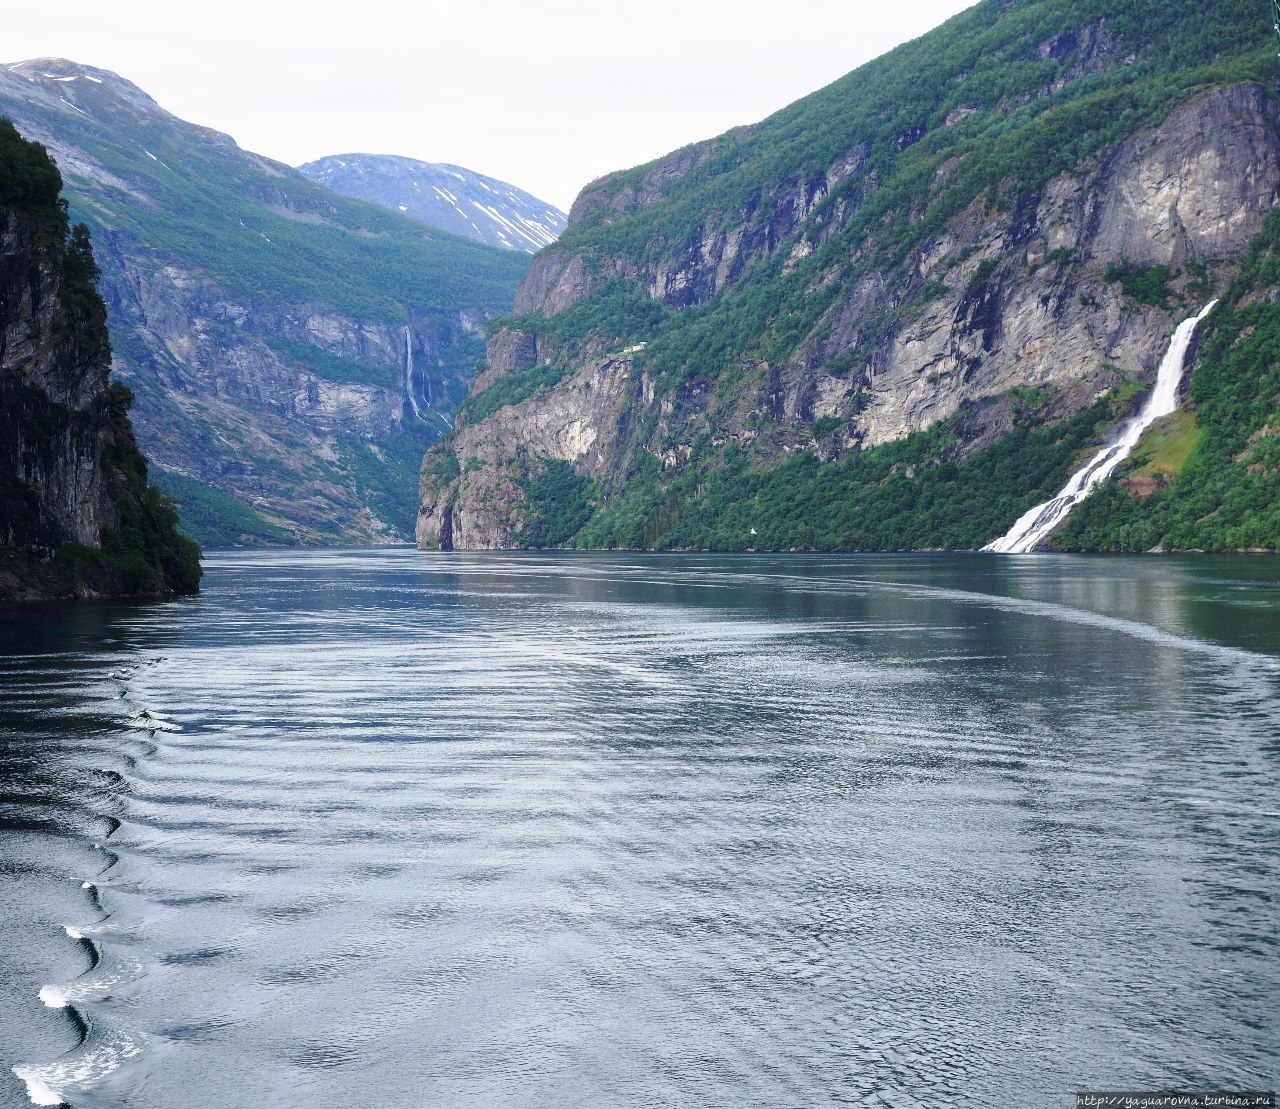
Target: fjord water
[{"x": 395, "y": 829}]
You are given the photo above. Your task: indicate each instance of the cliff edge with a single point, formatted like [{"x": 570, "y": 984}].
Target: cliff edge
[{"x": 77, "y": 515}]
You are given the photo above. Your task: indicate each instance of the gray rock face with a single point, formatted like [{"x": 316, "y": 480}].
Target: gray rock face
[
  {"x": 1195, "y": 188},
  {"x": 581, "y": 422},
  {"x": 700, "y": 265},
  {"x": 226, "y": 394},
  {"x": 1021, "y": 298},
  {"x": 449, "y": 197}
]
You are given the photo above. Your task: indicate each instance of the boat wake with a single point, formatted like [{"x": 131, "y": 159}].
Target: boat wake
[
  {"x": 102, "y": 1050},
  {"x": 87, "y": 1066}
]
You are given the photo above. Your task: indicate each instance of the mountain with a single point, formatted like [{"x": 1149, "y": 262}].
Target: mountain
[
  {"x": 893, "y": 315},
  {"x": 448, "y": 197},
  {"x": 293, "y": 351},
  {"x": 77, "y": 517}
]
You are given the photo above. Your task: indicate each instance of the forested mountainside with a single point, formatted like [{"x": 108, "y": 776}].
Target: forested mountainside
[
  {"x": 293, "y": 351},
  {"x": 449, "y": 197},
  {"x": 893, "y": 315},
  {"x": 77, "y": 516}
]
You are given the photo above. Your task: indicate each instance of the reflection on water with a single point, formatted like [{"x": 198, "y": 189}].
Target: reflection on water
[{"x": 358, "y": 828}]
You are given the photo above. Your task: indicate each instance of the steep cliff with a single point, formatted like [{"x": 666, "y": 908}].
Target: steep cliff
[
  {"x": 77, "y": 517},
  {"x": 289, "y": 347},
  {"x": 914, "y": 287}
]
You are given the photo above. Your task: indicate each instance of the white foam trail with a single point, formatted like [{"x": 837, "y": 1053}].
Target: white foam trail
[
  {"x": 1035, "y": 525},
  {"x": 91, "y": 987},
  {"x": 48, "y": 1085},
  {"x": 86, "y": 885},
  {"x": 37, "y": 1091},
  {"x": 147, "y": 721},
  {"x": 53, "y": 997}
]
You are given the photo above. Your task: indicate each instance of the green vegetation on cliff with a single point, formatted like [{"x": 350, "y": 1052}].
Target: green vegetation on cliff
[
  {"x": 1219, "y": 486},
  {"x": 214, "y": 518},
  {"x": 28, "y": 177},
  {"x": 914, "y": 494},
  {"x": 145, "y": 545},
  {"x": 559, "y": 504},
  {"x": 967, "y": 113}
]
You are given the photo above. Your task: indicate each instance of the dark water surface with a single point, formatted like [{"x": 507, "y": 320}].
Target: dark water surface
[{"x": 389, "y": 829}]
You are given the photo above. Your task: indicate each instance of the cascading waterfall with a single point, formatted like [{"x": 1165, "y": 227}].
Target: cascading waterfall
[
  {"x": 408, "y": 373},
  {"x": 1034, "y": 526}
]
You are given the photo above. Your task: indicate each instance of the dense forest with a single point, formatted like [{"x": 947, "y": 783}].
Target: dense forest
[{"x": 917, "y": 493}]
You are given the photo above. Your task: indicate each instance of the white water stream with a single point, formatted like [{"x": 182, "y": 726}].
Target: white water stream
[
  {"x": 408, "y": 373},
  {"x": 1035, "y": 525}
]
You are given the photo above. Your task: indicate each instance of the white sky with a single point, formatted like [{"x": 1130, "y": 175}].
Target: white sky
[{"x": 546, "y": 94}]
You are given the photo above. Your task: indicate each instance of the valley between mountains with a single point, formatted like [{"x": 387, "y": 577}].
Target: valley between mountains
[{"x": 293, "y": 351}]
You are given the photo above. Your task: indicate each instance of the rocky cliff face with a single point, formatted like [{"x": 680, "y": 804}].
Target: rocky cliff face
[
  {"x": 289, "y": 347},
  {"x": 260, "y": 397},
  {"x": 76, "y": 515},
  {"x": 52, "y": 400},
  {"x": 813, "y": 315},
  {"x": 449, "y": 197}
]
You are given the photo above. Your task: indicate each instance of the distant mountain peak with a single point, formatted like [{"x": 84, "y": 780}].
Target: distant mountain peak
[
  {"x": 72, "y": 76},
  {"x": 446, "y": 196}
]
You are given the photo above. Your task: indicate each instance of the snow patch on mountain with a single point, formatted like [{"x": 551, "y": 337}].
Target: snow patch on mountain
[{"x": 449, "y": 197}]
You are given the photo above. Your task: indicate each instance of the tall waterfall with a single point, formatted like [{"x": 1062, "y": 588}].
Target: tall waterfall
[
  {"x": 1034, "y": 526},
  {"x": 408, "y": 373}
]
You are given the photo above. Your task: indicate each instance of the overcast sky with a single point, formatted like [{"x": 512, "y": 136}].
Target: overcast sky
[{"x": 546, "y": 94}]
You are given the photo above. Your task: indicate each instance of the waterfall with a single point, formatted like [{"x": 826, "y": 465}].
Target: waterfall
[
  {"x": 1035, "y": 525},
  {"x": 408, "y": 373}
]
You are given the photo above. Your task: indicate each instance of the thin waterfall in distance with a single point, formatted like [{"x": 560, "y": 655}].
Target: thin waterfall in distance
[
  {"x": 1034, "y": 526},
  {"x": 408, "y": 373}
]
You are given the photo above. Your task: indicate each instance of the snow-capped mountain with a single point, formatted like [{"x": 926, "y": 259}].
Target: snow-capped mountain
[{"x": 449, "y": 197}]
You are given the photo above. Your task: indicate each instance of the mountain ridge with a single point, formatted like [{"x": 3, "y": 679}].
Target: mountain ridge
[{"x": 443, "y": 195}]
